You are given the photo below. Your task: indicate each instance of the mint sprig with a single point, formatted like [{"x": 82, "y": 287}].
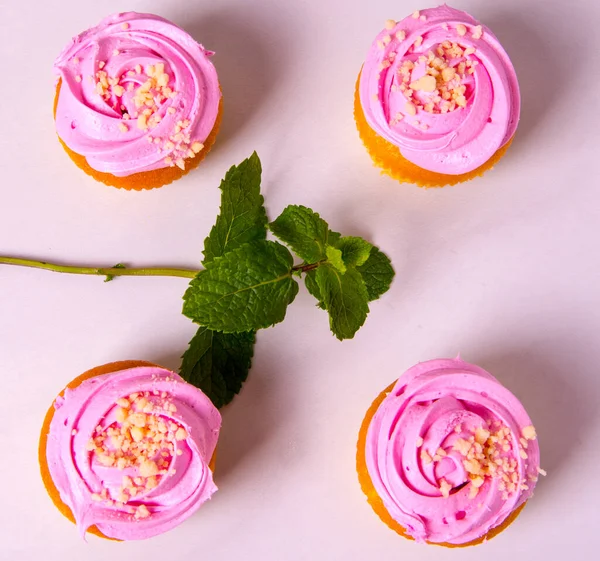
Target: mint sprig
[
  {"x": 304, "y": 231},
  {"x": 344, "y": 296},
  {"x": 377, "y": 272},
  {"x": 335, "y": 259},
  {"x": 248, "y": 288},
  {"x": 242, "y": 217},
  {"x": 344, "y": 273},
  {"x": 248, "y": 282},
  {"x": 355, "y": 250},
  {"x": 310, "y": 281},
  {"x": 218, "y": 363}
]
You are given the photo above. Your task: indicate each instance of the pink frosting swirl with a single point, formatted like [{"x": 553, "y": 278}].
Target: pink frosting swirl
[
  {"x": 129, "y": 451},
  {"x": 440, "y": 87},
  {"x": 137, "y": 94},
  {"x": 451, "y": 452}
]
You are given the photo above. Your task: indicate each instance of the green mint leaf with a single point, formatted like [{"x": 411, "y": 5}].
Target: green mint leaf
[
  {"x": 377, "y": 273},
  {"x": 111, "y": 277},
  {"x": 246, "y": 289},
  {"x": 303, "y": 230},
  {"x": 242, "y": 217},
  {"x": 333, "y": 238},
  {"x": 334, "y": 256},
  {"x": 310, "y": 280},
  {"x": 355, "y": 250},
  {"x": 220, "y": 369},
  {"x": 218, "y": 363},
  {"x": 345, "y": 298}
]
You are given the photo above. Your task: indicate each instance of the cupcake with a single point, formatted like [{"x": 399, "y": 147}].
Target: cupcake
[
  {"x": 138, "y": 102},
  {"x": 124, "y": 450},
  {"x": 447, "y": 455},
  {"x": 437, "y": 100}
]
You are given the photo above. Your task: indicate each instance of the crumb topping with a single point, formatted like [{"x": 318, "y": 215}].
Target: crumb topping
[
  {"x": 487, "y": 454},
  {"x": 410, "y": 108},
  {"x": 142, "y": 440},
  {"x": 529, "y": 433},
  {"x": 139, "y": 94},
  {"x": 444, "y": 81},
  {"x": 425, "y": 457},
  {"x": 445, "y": 488}
]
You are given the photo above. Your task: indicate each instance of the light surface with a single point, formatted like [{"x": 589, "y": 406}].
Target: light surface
[{"x": 504, "y": 269}]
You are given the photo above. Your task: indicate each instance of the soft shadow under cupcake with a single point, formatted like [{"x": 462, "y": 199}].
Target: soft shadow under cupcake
[
  {"x": 250, "y": 420},
  {"x": 245, "y": 59},
  {"x": 555, "y": 398},
  {"x": 545, "y": 58}
]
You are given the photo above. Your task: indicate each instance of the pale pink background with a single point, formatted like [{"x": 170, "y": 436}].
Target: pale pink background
[{"x": 504, "y": 270}]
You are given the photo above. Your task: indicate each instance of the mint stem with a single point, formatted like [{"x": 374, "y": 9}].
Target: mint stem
[
  {"x": 119, "y": 271},
  {"x": 305, "y": 268},
  {"x": 100, "y": 271}
]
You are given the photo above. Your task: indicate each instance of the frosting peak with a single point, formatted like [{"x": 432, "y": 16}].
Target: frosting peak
[
  {"x": 451, "y": 452},
  {"x": 129, "y": 451},
  {"x": 136, "y": 94},
  {"x": 439, "y": 85}
]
